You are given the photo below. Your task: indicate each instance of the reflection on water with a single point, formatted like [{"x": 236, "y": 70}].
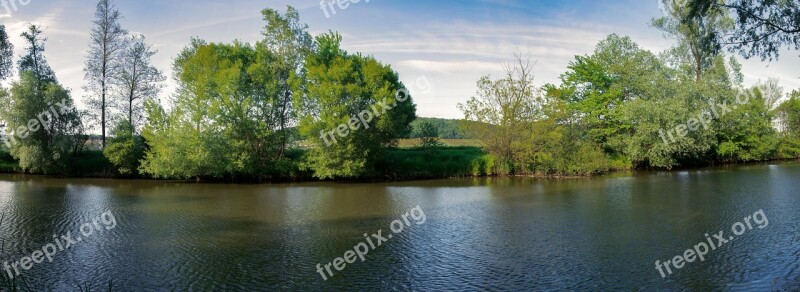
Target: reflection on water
[{"x": 480, "y": 234}]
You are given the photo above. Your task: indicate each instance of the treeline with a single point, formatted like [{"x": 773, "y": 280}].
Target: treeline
[
  {"x": 445, "y": 128},
  {"x": 624, "y": 107},
  {"x": 239, "y": 112}
]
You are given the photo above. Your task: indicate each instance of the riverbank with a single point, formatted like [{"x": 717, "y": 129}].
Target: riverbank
[{"x": 399, "y": 164}]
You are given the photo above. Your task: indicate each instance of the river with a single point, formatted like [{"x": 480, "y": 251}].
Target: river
[{"x": 603, "y": 233}]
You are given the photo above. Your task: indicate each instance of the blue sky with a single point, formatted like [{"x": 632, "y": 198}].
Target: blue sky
[{"x": 452, "y": 43}]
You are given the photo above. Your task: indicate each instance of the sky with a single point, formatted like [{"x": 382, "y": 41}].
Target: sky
[{"x": 449, "y": 44}]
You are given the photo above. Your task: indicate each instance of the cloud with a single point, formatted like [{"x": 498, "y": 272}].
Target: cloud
[{"x": 450, "y": 67}]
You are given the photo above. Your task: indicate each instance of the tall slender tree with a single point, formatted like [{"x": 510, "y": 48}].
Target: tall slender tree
[
  {"x": 6, "y": 54},
  {"x": 46, "y": 144},
  {"x": 33, "y": 60},
  {"x": 138, "y": 80},
  {"x": 102, "y": 62},
  {"x": 289, "y": 41},
  {"x": 697, "y": 36}
]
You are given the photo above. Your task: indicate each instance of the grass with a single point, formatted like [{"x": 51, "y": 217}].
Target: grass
[
  {"x": 439, "y": 162},
  {"x": 411, "y": 143}
]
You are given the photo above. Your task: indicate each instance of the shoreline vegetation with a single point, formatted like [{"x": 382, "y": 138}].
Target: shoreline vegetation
[
  {"x": 264, "y": 111},
  {"x": 441, "y": 162}
]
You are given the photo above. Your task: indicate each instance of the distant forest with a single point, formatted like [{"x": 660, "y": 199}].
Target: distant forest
[{"x": 448, "y": 129}]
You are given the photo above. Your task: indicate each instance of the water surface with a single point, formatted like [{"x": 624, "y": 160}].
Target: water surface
[{"x": 479, "y": 234}]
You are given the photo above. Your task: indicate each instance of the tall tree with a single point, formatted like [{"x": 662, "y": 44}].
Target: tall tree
[
  {"x": 763, "y": 27},
  {"x": 33, "y": 60},
  {"x": 503, "y": 112},
  {"x": 138, "y": 79},
  {"x": 289, "y": 41},
  {"x": 354, "y": 107},
  {"x": 107, "y": 42},
  {"x": 699, "y": 37},
  {"x": 6, "y": 54},
  {"x": 40, "y": 113}
]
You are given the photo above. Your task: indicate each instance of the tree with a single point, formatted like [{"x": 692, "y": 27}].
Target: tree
[
  {"x": 289, "y": 42},
  {"x": 40, "y": 113},
  {"x": 6, "y": 54},
  {"x": 598, "y": 86},
  {"x": 789, "y": 114},
  {"x": 763, "y": 27},
  {"x": 697, "y": 36},
  {"x": 137, "y": 80},
  {"x": 502, "y": 114},
  {"x": 771, "y": 92},
  {"x": 789, "y": 123},
  {"x": 107, "y": 42},
  {"x": 33, "y": 60},
  {"x": 353, "y": 108},
  {"x": 429, "y": 135},
  {"x": 125, "y": 148}
]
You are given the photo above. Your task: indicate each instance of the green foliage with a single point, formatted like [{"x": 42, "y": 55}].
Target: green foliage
[
  {"x": 40, "y": 147},
  {"x": 438, "y": 162},
  {"x": 502, "y": 113},
  {"x": 429, "y": 135},
  {"x": 228, "y": 118},
  {"x": 447, "y": 129},
  {"x": 342, "y": 87},
  {"x": 762, "y": 29},
  {"x": 746, "y": 133},
  {"x": 125, "y": 149},
  {"x": 6, "y": 54}
]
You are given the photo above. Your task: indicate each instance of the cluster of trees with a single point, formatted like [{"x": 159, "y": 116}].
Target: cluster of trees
[
  {"x": 446, "y": 129},
  {"x": 238, "y": 110},
  {"x": 237, "y": 105},
  {"x": 119, "y": 77},
  {"x": 612, "y": 107}
]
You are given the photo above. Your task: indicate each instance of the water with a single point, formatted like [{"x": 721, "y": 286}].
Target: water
[{"x": 479, "y": 234}]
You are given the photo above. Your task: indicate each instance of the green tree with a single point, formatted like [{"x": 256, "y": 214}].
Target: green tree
[
  {"x": 698, "y": 37},
  {"x": 33, "y": 60},
  {"x": 502, "y": 114},
  {"x": 288, "y": 41},
  {"x": 6, "y": 54},
  {"x": 223, "y": 112},
  {"x": 39, "y": 112},
  {"x": 354, "y": 107},
  {"x": 747, "y": 133},
  {"x": 429, "y": 135},
  {"x": 136, "y": 79},
  {"x": 763, "y": 27},
  {"x": 789, "y": 123},
  {"x": 43, "y": 120},
  {"x": 125, "y": 149}
]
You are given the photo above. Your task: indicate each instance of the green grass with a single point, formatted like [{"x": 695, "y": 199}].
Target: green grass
[
  {"x": 440, "y": 162},
  {"x": 411, "y": 143}
]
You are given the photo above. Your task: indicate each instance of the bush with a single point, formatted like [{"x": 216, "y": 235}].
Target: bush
[
  {"x": 438, "y": 162},
  {"x": 125, "y": 149}
]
